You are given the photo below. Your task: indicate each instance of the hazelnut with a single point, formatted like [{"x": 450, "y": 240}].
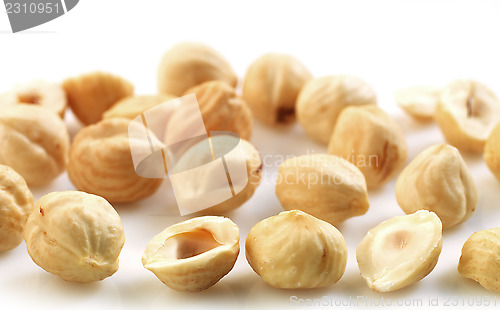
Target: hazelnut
[
  {"x": 295, "y": 250},
  {"x": 438, "y": 180},
  {"x": 325, "y": 186},
  {"x": 480, "y": 259},
  {"x": 322, "y": 99},
  {"x": 188, "y": 64},
  {"x": 271, "y": 87},
  {"x": 132, "y": 106},
  {"x": 418, "y": 101},
  {"x": 91, "y": 94},
  {"x": 492, "y": 152},
  {"x": 400, "y": 251},
  {"x": 100, "y": 162},
  {"x": 35, "y": 142},
  {"x": 75, "y": 235},
  {"x": 193, "y": 255},
  {"x": 16, "y": 204},
  {"x": 370, "y": 139},
  {"x": 47, "y": 95},
  {"x": 467, "y": 113},
  {"x": 223, "y": 170},
  {"x": 221, "y": 110}
]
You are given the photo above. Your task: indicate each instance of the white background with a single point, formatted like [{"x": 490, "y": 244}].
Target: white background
[{"x": 390, "y": 44}]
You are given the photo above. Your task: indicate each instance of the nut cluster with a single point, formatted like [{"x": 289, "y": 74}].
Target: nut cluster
[{"x": 78, "y": 235}]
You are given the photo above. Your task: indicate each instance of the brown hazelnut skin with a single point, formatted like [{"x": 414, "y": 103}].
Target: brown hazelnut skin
[{"x": 271, "y": 87}]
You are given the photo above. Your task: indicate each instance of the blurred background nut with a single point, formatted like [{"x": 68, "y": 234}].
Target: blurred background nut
[
  {"x": 74, "y": 235},
  {"x": 34, "y": 141},
  {"x": 295, "y": 250},
  {"x": 272, "y": 84},
  {"x": 201, "y": 154},
  {"x": 371, "y": 140},
  {"x": 322, "y": 99},
  {"x": 492, "y": 152},
  {"x": 100, "y": 162},
  {"x": 221, "y": 109},
  {"x": 438, "y": 180},
  {"x": 47, "y": 95},
  {"x": 418, "y": 101},
  {"x": 193, "y": 255},
  {"x": 188, "y": 64},
  {"x": 132, "y": 106},
  {"x": 325, "y": 186},
  {"x": 467, "y": 113},
  {"x": 16, "y": 204},
  {"x": 90, "y": 95},
  {"x": 400, "y": 251},
  {"x": 480, "y": 259}
]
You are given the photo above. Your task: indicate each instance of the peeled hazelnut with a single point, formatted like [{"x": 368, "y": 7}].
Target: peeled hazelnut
[
  {"x": 34, "y": 142},
  {"x": 47, "y": 95},
  {"x": 271, "y": 87},
  {"x": 438, "y": 180},
  {"x": 480, "y": 260},
  {"x": 371, "y": 140},
  {"x": 91, "y": 94},
  {"x": 221, "y": 109},
  {"x": 325, "y": 186},
  {"x": 188, "y": 64},
  {"x": 202, "y": 154},
  {"x": 322, "y": 99},
  {"x": 467, "y": 113},
  {"x": 193, "y": 255},
  {"x": 74, "y": 235},
  {"x": 132, "y": 106},
  {"x": 16, "y": 204},
  {"x": 296, "y": 250},
  {"x": 100, "y": 162},
  {"x": 419, "y": 101},
  {"x": 400, "y": 251},
  {"x": 492, "y": 152}
]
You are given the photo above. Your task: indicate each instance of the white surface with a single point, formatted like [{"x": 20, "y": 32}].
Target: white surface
[{"x": 390, "y": 44}]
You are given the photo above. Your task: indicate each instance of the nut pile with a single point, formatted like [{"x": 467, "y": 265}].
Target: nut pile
[{"x": 78, "y": 235}]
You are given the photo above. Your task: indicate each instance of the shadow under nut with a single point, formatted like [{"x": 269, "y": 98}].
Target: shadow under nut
[{"x": 100, "y": 163}]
